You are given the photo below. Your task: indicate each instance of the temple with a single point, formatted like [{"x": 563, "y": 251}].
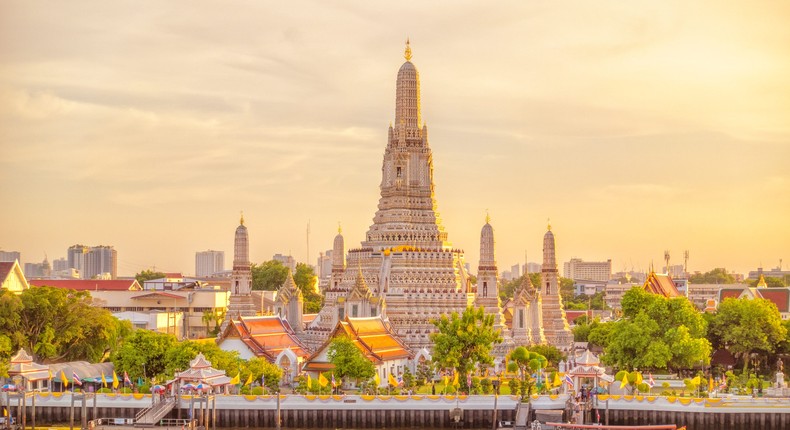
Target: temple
[{"x": 241, "y": 302}]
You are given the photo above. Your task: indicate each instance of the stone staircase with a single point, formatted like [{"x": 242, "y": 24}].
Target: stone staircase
[{"x": 151, "y": 416}]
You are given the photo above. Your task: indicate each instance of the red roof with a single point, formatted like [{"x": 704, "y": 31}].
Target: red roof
[
  {"x": 88, "y": 284},
  {"x": 779, "y": 296}
]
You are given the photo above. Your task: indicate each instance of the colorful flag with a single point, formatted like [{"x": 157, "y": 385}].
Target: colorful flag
[
  {"x": 5, "y": 412},
  {"x": 446, "y": 380},
  {"x": 650, "y": 381},
  {"x": 377, "y": 379},
  {"x": 322, "y": 381},
  {"x": 103, "y": 379},
  {"x": 76, "y": 378},
  {"x": 309, "y": 382},
  {"x": 469, "y": 379},
  {"x": 557, "y": 382},
  {"x": 249, "y": 380},
  {"x": 638, "y": 378},
  {"x": 569, "y": 380},
  {"x": 696, "y": 380},
  {"x": 63, "y": 379},
  {"x": 625, "y": 380},
  {"x": 235, "y": 380},
  {"x": 114, "y": 379},
  {"x": 710, "y": 384},
  {"x": 126, "y": 379},
  {"x": 333, "y": 381},
  {"x": 455, "y": 379},
  {"x": 50, "y": 374},
  {"x": 391, "y": 379}
]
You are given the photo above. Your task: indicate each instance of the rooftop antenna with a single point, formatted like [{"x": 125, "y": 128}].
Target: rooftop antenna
[
  {"x": 666, "y": 259},
  {"x": 686, "y": 262}
]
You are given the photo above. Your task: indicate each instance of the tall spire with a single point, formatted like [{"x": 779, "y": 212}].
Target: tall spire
[{"x": 407, "y": 52}]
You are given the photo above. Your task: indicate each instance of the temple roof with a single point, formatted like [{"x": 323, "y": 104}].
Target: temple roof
[
  {"x": 288, "y": 291},
  {"x": 661, "y": 284},
  {"x": 200, "y": 371},
  {"x": 22, "y": 364},
  {"x": 778, "y": 296},
  {"x": 266, "y": 336}
]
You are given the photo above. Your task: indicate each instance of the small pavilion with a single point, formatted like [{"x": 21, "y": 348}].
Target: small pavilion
[
  {"x": 587, "y": 367},
  {"x": 201, "y": 372},
  {"x": 26, "y": 374}
]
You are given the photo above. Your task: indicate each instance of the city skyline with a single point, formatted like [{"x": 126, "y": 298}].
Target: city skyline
[{"x": 635, "y": 129}]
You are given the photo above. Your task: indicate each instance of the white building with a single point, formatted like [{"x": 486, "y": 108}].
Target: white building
[
  {"x": 209, "y": 262},
  {"x": 588, "y": 270}
]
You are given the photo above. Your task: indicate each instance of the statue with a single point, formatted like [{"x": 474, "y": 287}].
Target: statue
[{"x": 780, "y": 366}]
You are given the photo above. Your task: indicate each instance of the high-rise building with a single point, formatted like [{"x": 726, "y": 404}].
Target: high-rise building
[
  {"x": 209, "y": 262},
  {"x": 578, "y": 269},
  {"x": 405, "y": 257},
  {"x": 60, "y": 265},
  {"x": 515, "y": 271},
  {"x": 324, "y": 264},
  {"x": 9, "y": 256},
  {"x": 75, "y": 257},
  {"x": 100, "y": 262},
  {"x": 286, "y": 260}
]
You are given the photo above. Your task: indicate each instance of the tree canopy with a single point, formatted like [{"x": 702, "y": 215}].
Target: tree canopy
[
  {"x": 349, "y": 361},
  {"x": 56, "y": 324},
  {"x": 268, "y": 276},
  {"x": 718, "y": 275},
  {"x": 655, "y": 332},
  {"x": 748, "y": 326},
  {"x": 147, "y": 275},
  {"x": 465, "y": 341}
]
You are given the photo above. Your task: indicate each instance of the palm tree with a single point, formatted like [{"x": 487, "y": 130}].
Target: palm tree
[{"x": 208, "y": 316}]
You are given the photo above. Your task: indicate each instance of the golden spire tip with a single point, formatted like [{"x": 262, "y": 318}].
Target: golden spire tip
[
  {"x": 407, "y": 52},
  {"x": 242, "y": 218},
  {"x": 339, "y": 228},
  {"x": 488, "y": 217}
]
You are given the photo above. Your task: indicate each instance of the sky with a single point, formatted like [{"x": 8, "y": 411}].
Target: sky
[{"x": 635, "y": 127}]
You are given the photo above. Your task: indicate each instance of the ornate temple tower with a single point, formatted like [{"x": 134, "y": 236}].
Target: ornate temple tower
[
  {"x": 488, "y": 290},
  {"x": 527, "y": 314},
  {"x": 338, "y": 259},
  {"x": 405, "y": 256},
  {"x": 290, "y": 303},
  {"x": 555, "y": 325},
  {"x": 241, "y": 303},
  {"x": 242, "y": 275}
]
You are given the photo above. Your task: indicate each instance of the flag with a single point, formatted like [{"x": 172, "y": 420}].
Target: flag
[
  {"x": 548, "y": 383},
  {"x": 309, "y": 381},
  {"x": 469, "y": 379},
  {"x": 249, "y": 380},
  {"x": 569, "y": 380},
  {"x": 446, "y": 380},
  {"x": 625, "y": 380},
  {"x": 638, "y": 378},
  {"x": 391, "y": 379},
  {"x": 63, "y": 379},
  {"x": 696, "y": 380},
  {"x": 455, "y": 379},
  {"x": 710, "y": 384},
  {"x": 126, "y": 379},
  {"x": 114, "y": 379},
  {"x": 235, "y": 380},
  {"x": 557, "y": 382},
  {"x": 597, "y": 416},
  {"x": 103, "y": 379},
  {"x": 333, "y": 381},
  {"x": 650, "y": 381},
  {"x": 50, "y": 374},
  {"x": 76, "y": 378},
  {"x": 5, "y": 412},
  {"x": 377, "y": 379},
  {"x": 322, "y": 381}
]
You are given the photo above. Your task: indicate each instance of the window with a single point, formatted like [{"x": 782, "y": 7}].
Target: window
[
  {"x": 399, "y": 171},
  {"x": 548, "y": 288},
  {"x": 355, "y": 311},
  {"x": 521, "y": 318},
  {"x": 341, "y": 314},
  {"x": 373, "y": 311}
]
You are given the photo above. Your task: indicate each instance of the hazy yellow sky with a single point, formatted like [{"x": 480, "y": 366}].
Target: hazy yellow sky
[{"x": 635, "y": 126}]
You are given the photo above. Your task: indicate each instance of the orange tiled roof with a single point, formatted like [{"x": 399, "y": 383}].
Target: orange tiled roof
[
  {"x": 372, "y": 336},
  {"x": 267, "y": 336},
  {"x": 661, "y": 284}
]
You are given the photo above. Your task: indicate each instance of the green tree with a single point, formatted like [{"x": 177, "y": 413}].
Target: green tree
[
  {"x": 525, "y": 362},
  {"x": 306, "y": 280},
  {"x": 464, "y": 341},
  {"x": 551, "y": 353},
  {"x": 144, "y": 353},
  {"x": 349, "y": 361},
  {"x": 655, "y": 332},
  {"x": 748, "y": 326},
  {"x": 507, "y": 288},
  {"x": 147, "y": 275},
  {"x": 718, "y": 275},
  {"x": 268, "y": 276},
  {"x": 207, "y": 318}
]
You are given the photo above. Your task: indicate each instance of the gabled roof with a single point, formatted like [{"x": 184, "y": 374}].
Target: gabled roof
[
  {"x": 89, "y": 284},
  {"x": 158, "y": 294},
  {"x": 288, "y": 291},
  {"x": 661, "y": 284},
  {"x": 22, "y": 364},
  {"x": 374, "y": 338},
  {"x": 778, "y": 296},
  {"x": 7, "y": 269},
  {"x": 524, "y": 293},
  {"x": 266, "y": 336}
]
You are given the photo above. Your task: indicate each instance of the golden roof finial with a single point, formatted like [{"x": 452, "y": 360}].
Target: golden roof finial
[
  {"x": 407, "y": 52},
  {"x": 548, "y": 220},
  {"x": 488, "y": 217},
  {"x": 242, "y": 218},
  {"x": 339, "y": 228}
]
